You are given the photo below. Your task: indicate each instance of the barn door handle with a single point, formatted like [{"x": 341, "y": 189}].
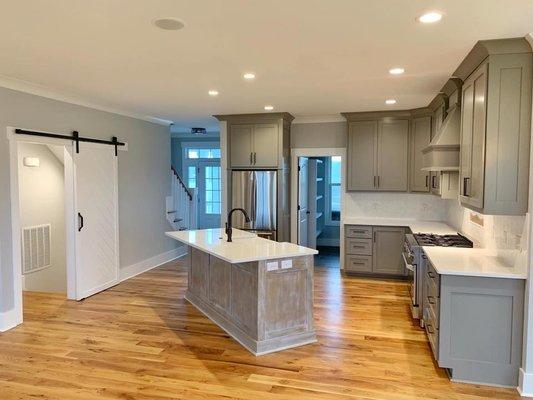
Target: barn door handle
[{"x": 80, "y": 222}]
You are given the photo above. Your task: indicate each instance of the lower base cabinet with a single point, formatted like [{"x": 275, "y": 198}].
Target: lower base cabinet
[
  {"x": 474, "y": 326},
  {"x": 374, "y": 250}
]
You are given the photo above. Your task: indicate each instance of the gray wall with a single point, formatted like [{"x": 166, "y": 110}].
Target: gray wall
[
  {"x": 42, "y": 202},
  {"x": 322, "y": 134},
  {"x": 143, "y": 173}
]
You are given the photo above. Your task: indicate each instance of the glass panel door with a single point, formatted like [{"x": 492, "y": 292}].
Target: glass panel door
[{"x": 209, "y": 194}]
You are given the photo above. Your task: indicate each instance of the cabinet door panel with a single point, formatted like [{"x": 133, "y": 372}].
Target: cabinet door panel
[
  {"x": 393, "y": 139},
  {"x": 420, "y": 137},
  {"x": 478, "y": 140},
  {"x": 387, "y": 257},
  {"x": 265, "y": 145},
  {"x": 362, "y": 155},
  {"x": 467, "y": 116},
  {"x": 241, "y": 145}
]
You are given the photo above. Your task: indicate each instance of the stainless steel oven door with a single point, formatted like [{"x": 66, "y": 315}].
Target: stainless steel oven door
[{"x": 412, "y": 275}]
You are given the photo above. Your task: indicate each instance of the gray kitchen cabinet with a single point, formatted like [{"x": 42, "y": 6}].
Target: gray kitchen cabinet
[
  {"x": 374, "y": 250},
  {"x": 387, "y": 250},
  {"x": 362, "y": 138},
  {"x": 392, "y": 150},
  {"x": 254, "y": 145},
  {"x": 420, "y": 138},
  {"x": 474, "y": 326},
  {"x": 241, "y": 154},
  {"x": 378, "y": 155},
  {"x": 495, "y": 134}
]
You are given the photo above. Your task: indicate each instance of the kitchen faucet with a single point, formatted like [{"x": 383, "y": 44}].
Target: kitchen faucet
[{"x": 228, "y": 224}]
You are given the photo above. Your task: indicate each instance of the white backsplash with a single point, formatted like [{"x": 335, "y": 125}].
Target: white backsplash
[
  {"x": 395, "y": 205},
  {"x": 498, "y": 232}
]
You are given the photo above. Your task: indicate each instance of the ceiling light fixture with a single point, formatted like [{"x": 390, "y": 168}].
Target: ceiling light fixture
[
  {"x": 249, "y": 76},
  {"x": 169, "y": 24},
  {"x": 390, "y": 101},
  {"x": 213, "y": 93},
  {"x": 269, "y": 108},
  {"x": 430, "y": 17},
  {"x": 396, "y": 71}
]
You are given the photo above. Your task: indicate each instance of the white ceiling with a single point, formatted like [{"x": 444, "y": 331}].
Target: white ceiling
[{"x": 311, "y": 57}]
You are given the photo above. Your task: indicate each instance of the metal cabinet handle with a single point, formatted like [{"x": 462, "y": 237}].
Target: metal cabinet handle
[
  {"x": 466, "y": 188},
  {"x": 430, "y": 301},
  {"x": 430, "y": 274},
  {"x": 427, "y": 180},
  {"x": 374, "y": 237},
  {"x": 375, "y": 186},
  {"x": 430, "y": 328},
  {"x": 80, "y": 222},
  {"x": 378, "y": 181},
  {"x": 433, "y": 182},
  {"x": 251, "y": 158},
  {"x": 255, "y": 158}
]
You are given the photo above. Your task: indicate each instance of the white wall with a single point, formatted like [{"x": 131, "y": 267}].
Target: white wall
[
  {"x": 42, "y": 202},
  {"x": 143, "y": 174}
]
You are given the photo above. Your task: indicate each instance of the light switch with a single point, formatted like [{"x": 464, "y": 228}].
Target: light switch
[
  {"x": 272, "y": 265},
  {"x": 286, "y": 264}
]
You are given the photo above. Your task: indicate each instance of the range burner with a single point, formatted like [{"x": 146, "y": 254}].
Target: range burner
[{"x": 442, "y": 240}]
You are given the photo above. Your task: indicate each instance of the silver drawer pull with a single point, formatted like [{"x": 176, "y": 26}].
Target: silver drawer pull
[
  {"x": 358, "y": 246},
  {"x": 430, "y": 328},
  {"x": 430, "y": 300},
  {"x": 358, "y": 263},
  {"x": 430, "y": 274}
]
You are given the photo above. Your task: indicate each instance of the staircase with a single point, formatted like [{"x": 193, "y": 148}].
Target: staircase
[{"x": 181, "y": 205}]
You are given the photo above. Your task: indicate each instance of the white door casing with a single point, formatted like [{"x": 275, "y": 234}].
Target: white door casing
[
  {"x": 96, "y": 208},
  {"x": 303, "y": 207}
]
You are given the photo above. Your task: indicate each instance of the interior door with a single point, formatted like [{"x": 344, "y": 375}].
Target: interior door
[
  {"x": 96, "y": 205},
  {"x": 303, "y": 203},
  {"x": 209, "y": 194}
]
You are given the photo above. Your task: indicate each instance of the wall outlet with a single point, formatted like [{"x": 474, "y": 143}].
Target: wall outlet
[
  {"x": 272, "y": 265},
  {"x": 286, "y": 264}
]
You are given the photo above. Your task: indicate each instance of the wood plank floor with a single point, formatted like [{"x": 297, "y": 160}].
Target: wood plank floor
[{"x": 142, "y": 340}]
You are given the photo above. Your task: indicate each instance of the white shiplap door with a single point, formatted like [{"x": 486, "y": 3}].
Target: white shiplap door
[{"x": 96, "y": 207}]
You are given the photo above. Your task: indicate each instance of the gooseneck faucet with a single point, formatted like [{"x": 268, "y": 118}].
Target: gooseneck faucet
[{"x": 229, "y": 231}]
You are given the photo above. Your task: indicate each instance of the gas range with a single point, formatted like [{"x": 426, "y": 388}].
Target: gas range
[{"x": 429, "y": 239}]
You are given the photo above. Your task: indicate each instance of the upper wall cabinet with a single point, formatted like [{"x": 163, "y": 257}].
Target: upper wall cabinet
[
  {"x": 377, "y": 153},
  {"x": 420, "y": 137},
  {"x": 496, "y": 129},
  {"x": 258, "y": 140}
]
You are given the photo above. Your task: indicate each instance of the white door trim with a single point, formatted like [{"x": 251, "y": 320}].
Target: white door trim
[
  {"x": 13, "y": 317},
  {"x": 315, "y": 152}
]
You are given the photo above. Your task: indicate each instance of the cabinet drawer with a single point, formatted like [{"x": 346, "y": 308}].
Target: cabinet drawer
[
  {"x": 433, "y": 309},
  {"x": 433, "y": 280},
  {"x": 358, "y": 264},
  {"x": 433, "y": 336},
  {"x": 359, "y": 246},
  {"x": 358, "y": 231}
]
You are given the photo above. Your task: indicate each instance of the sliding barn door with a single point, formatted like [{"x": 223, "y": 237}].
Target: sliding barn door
[{"x": 96, "y": 207}]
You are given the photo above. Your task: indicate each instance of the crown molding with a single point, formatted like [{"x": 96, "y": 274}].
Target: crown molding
[
  {"x": 42, "y": 91},
  {"x": 317, "y": 119}
]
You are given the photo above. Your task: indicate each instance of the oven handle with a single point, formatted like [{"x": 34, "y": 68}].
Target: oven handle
[{"x": 410, "y": 267}]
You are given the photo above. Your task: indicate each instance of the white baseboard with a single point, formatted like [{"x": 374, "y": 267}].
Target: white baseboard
[
  {"x": 146, "y": 265},
  {"x": 525, "y": 383},
  {"x": 10, "y": 319}
]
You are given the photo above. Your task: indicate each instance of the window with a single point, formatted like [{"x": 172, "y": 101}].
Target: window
[
  {"x": 212, "y": 190},
  {"x": 335, "y": 188},
  {"x": 193, "y": 153},
  {"x": 191, "y": 177}
]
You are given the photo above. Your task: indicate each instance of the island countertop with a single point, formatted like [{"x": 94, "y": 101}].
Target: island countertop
[{"x": 245, "y": 247}]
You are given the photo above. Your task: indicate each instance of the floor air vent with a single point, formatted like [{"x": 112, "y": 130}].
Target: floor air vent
[{"x": 36, "y": 244}]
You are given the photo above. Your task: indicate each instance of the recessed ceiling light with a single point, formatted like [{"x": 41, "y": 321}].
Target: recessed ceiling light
[
  {"x": 269, "y": 108},
  {"x": 390, "y": 101},
  {"x": 213, "y": 92},
  {"x": 249, "y": 76},
  {"x": 169, "y": 24},
  {"x": 430, "y": 17},
  {"x": 396, "y": 71}
]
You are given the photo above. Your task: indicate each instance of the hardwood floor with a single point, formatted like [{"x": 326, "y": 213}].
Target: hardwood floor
[{"x": 142, "y": 340}]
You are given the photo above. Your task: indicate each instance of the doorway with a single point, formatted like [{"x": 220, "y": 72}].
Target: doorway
[
  {"x": 64, "y": 207},
  {"x": 317, "y": 203}
]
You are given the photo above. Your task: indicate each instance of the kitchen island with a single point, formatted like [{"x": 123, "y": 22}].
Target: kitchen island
[{"x": 259, "y": 291}]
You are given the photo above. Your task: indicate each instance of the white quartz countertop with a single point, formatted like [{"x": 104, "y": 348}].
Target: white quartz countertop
[
  {"x": 473, "y": 262},
  {"x": 245, "y": 246},
  {"x": 416, "y": 226}
]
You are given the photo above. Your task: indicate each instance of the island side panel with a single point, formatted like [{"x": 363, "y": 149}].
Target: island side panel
[
  {"x": 198, "y": 272},
  {"x": 285, "y": 303}
]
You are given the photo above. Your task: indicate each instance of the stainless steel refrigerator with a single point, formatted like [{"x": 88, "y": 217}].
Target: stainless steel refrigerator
[{"x": 256, "y": 192}]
